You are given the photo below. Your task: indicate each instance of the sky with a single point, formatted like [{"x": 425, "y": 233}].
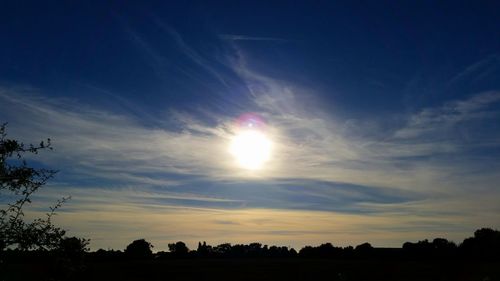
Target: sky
[{"x": 383, "y": 117}]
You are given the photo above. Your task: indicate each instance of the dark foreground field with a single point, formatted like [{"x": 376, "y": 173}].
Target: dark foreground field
[{"x": 266, "y": 269}]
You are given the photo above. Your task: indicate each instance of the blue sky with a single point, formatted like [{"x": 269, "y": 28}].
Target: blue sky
[{"x": 384, "y": 117}]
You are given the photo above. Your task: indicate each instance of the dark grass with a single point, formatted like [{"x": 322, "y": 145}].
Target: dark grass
[{"x": 265, "y": 269}]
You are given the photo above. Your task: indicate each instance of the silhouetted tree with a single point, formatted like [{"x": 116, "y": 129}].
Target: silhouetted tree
[
  {"x": 223, "y": 250},
  {"x": 70, "y": 257},
  {"x": 238, "y": 250},
  {"x": 348, "y": 252},
  {"x": 438, "y": 248},
  {"x": 253, "y": 250},
  {"x": 364, "y": 250},
  {"x": 241, "y": 250},
  {"x": 204, "y": 250},
  {"x": 306, "y": 252},
  {"x": 20, "y": 181},
  {"x": 139, "y": 249},
  {"x": 178, "y": 249},
  {"x": 326, "y": 250},
  {"x": 33, "y": 239},
  {"x": 484, "y": 244},
  {"x": 280, "y": 252},
  {"x": 106, "y": 255},
  {"x": 442, "y": 248},
  {"x": 443, "y": 244},
  {"x": 419, "y": 250},
  {"x": 73, "y": 247}
]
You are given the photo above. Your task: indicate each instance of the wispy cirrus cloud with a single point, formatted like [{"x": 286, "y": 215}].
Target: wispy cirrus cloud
[
  {"x": 333, "y": 149},
  {"x": 241, "y": 37},
  {"x": 191, "y": 53},
  {"x": 322, "y": 165},
  {"x": 485, "y": 67},
  {"x": 106, "y": 143},
  {"x": 438, "y": 121}
]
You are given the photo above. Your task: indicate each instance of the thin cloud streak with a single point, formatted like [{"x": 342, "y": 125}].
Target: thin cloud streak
[
  {"x": 477, "y": 70},
  {"x": 189, "y": 52},
  {"x": 436, "y": 121}
]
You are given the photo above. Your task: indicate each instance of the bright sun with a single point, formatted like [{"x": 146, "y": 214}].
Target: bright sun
[{"x": 251, "y": 149}]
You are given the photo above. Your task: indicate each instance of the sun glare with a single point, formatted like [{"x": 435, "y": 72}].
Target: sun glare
[{"x": 251, "y": 149}]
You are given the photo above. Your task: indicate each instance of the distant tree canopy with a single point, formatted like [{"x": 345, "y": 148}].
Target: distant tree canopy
[
  {"x": 73, "y": 247},
  {"x": 439, "y": 247},
  {"x": 178, "y": 249},
  {"x": 326, "y": 250},
  {"x": 485, "y": 243},
  {"x": 140, "y": 249}
]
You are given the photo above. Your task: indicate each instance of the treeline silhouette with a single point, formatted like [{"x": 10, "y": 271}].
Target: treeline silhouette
[{"x": 484, "y": 245}]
